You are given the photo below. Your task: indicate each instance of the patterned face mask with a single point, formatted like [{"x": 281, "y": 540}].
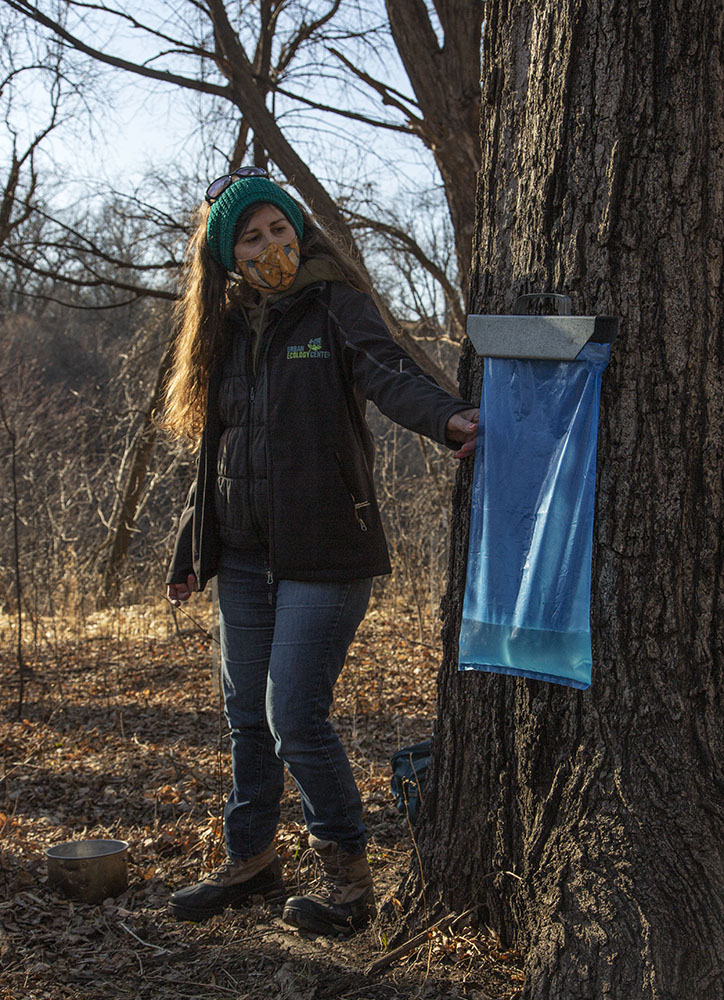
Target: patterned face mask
[{"x": 275, "y": 268}]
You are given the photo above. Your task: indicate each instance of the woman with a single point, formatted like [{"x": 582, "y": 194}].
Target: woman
[{"x": 280, "y": 346}]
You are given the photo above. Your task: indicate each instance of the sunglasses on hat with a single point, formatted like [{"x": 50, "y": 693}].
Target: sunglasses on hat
[{"x": 220, "y": 185}]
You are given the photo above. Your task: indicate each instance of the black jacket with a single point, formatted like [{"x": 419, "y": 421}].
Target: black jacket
[{"x": 325, "y": 352}]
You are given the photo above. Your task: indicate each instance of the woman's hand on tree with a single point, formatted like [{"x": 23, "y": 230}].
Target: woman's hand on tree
[
  {"x": 179, "y": 592},
  {"x": 463, "y": 427}
]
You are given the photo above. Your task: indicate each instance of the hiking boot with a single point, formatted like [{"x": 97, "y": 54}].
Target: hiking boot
[
  {"x": 343, "y": 902},
  {"x": 234, "y": 883}
]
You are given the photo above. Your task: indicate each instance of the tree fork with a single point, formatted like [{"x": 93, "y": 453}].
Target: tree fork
[
  {"x": 603, "y": 177},
  {"x": 445, "y": 77}
]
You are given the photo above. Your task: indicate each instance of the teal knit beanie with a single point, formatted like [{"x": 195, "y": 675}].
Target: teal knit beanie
[{"x": 229, "y": 206}]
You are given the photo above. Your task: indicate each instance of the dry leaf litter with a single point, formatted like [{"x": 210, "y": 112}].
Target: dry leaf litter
[{"x": 121, "y": 736}]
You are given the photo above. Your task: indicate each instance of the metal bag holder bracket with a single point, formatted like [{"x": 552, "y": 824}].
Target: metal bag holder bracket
[{"x": 546, "y": 338}]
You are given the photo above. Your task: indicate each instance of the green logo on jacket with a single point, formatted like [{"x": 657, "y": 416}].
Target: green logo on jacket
[{"x": 312, "y": 350}]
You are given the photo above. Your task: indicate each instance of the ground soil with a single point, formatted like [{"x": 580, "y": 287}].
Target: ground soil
[{"x": 120, "y": 736}]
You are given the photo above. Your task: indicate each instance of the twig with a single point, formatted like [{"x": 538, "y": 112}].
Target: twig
[
  {"x": 404, "y": 949},
  {"x": 146, "y": 944}
]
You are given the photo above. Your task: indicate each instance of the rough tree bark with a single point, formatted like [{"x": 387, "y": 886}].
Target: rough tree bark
[{"x": 588, "y": 826}]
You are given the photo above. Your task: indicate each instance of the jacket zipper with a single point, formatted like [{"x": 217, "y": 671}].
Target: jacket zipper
[
  {"x": 252, "y": 396},
  {"x": 358, "y": 505},
  {"x": 269, "y": 483},
  {"x": 262, "y": 357},
  {"x": 257, "y": 526}
]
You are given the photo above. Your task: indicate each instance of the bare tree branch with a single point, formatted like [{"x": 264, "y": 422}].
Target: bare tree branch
[
  {"x": 353, "y": 115},
  {"x": 305, "y": 32},
  {"x": 77, "y": 306},
  {"x": 389, "y": 95},
  {"x": 98, "y": 282},
  {"x": 203, "y": 86},
  {"x": 9, "y": 200},
  {"x": 87, "y": 245},
  {"x": 452, "y": 295},
  {"x": 123, "y": 15}
]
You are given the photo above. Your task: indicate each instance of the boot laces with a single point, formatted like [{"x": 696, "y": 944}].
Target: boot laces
[
  {"x": 223, "y": 872},
  {"x": 322, "y": 877}
]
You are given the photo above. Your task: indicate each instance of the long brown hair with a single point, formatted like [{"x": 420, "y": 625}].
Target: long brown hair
[{"x": 206, "y": 295}]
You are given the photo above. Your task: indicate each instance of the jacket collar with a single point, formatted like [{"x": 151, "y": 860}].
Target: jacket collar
[{"x": 309, "y": 291}]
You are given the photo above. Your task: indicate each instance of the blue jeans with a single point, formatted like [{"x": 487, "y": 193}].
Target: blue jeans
[{"x": 283, "y": 646}]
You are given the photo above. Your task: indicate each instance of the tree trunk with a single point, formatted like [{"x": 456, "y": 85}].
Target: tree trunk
[
  {"x": 132, "y": 479},
  {"x": 445, "y": 76},
  {"x": 588, "y": 825}
]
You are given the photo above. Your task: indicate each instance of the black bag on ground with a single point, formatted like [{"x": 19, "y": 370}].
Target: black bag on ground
[{"x": 409, "y": 777}]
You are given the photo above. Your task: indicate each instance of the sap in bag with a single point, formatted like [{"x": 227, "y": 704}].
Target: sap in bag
[{"x": 527, "y": 597}]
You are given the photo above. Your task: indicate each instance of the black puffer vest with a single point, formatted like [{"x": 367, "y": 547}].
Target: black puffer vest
[{"x": 242, "y": 497}]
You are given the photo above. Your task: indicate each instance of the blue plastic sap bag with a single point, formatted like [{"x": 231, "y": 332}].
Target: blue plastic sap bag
[{"x": 527, "y": 596}]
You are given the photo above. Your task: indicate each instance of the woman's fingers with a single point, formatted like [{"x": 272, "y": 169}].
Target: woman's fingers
[
  {"x": 463, "y": 427},
  {"x": 467, "y": 449},
  {"x": 178, "y": 592}
]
